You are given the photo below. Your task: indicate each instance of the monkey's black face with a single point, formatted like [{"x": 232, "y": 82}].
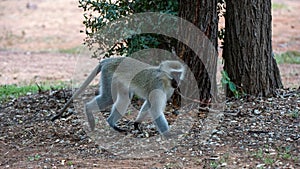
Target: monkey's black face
[{"x": 174, "y": 83}]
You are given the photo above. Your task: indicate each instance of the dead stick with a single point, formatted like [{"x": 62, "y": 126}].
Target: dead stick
[{"x": 206, "y": 109}]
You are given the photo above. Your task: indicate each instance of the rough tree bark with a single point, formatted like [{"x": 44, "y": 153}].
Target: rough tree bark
[
  {"x": 247, "y": 53},
  {"x": 203, "y": 14}
]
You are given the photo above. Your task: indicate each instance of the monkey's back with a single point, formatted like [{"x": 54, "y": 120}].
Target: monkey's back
[{"x": 138, "y": 77}]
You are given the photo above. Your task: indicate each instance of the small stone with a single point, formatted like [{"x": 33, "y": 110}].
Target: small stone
[
  {"x": 260, "y": 165},
  {"x": 257, "y": 112},
  {"x": 223, "y": 164},
  {"x": 288, "y": 139}
]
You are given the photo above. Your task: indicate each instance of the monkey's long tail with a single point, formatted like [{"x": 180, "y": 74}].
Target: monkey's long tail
[{"x": 92, "y": 75}]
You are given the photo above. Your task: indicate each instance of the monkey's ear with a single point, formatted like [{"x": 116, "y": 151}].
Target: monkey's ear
[{"x": 174, "y": 83}]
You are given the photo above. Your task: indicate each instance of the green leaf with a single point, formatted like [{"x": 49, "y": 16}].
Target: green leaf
[{"x": 232, "y": 86}]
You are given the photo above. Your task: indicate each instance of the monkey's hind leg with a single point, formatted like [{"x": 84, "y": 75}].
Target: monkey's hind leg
[
  {"x": 98, "y": 103},
  {"x": 119, "y": 108},
  {"x": 90, "y": 118}
]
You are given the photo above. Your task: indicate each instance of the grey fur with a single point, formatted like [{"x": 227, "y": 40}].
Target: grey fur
[{"x": 123, "y": 77}]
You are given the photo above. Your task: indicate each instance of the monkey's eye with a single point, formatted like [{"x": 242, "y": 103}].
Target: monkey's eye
[{"x": 174, "y": 83}]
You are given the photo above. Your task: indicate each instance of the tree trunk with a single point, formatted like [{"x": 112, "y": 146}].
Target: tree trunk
[
  {"x": 203, "y": 14},
  {"x": 247, "y": 53}
]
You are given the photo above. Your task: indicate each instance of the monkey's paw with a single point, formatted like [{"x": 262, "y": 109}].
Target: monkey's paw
[{"x": 137, "y": 126}]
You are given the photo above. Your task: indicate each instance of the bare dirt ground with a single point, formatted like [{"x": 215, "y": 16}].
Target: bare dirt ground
[{"x": 255, "y": 132}]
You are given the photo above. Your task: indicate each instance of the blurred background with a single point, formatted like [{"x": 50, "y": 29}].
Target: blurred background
[{"x": 40, "y": 39}]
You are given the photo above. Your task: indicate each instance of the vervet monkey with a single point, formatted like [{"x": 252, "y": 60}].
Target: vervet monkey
[{"x": 123, "y": 77}]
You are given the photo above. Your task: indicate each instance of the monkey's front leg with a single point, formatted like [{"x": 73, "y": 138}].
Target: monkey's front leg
[{"x": 158, "y": 100}]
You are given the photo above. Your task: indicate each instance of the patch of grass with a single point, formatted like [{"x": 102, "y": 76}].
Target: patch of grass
[
  {"x": 69, "y": 163},
  {"x": 259, "y": 154},
  {"x": 225, "y": 81},
  {"x": 129, "y": 112},
  {"x": 15, "y": 91},
  {"x": 221, "y": 162},
  {"x": 265, "y": 157},
  {"x": 73, "y": 51},
  {"x": 280, "y": 154},
  {"x": 269, "y": 160},
  {"x": 276, "y": 6},
  {"x": 292, "y": 57},
  {"x": 285, "y": 153},
  {"x": 295, "y": 114},
  {"x": 214, "y": 164},
  {"x": 295, "y": 159},
  {"x": 34, "y": 158}
]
